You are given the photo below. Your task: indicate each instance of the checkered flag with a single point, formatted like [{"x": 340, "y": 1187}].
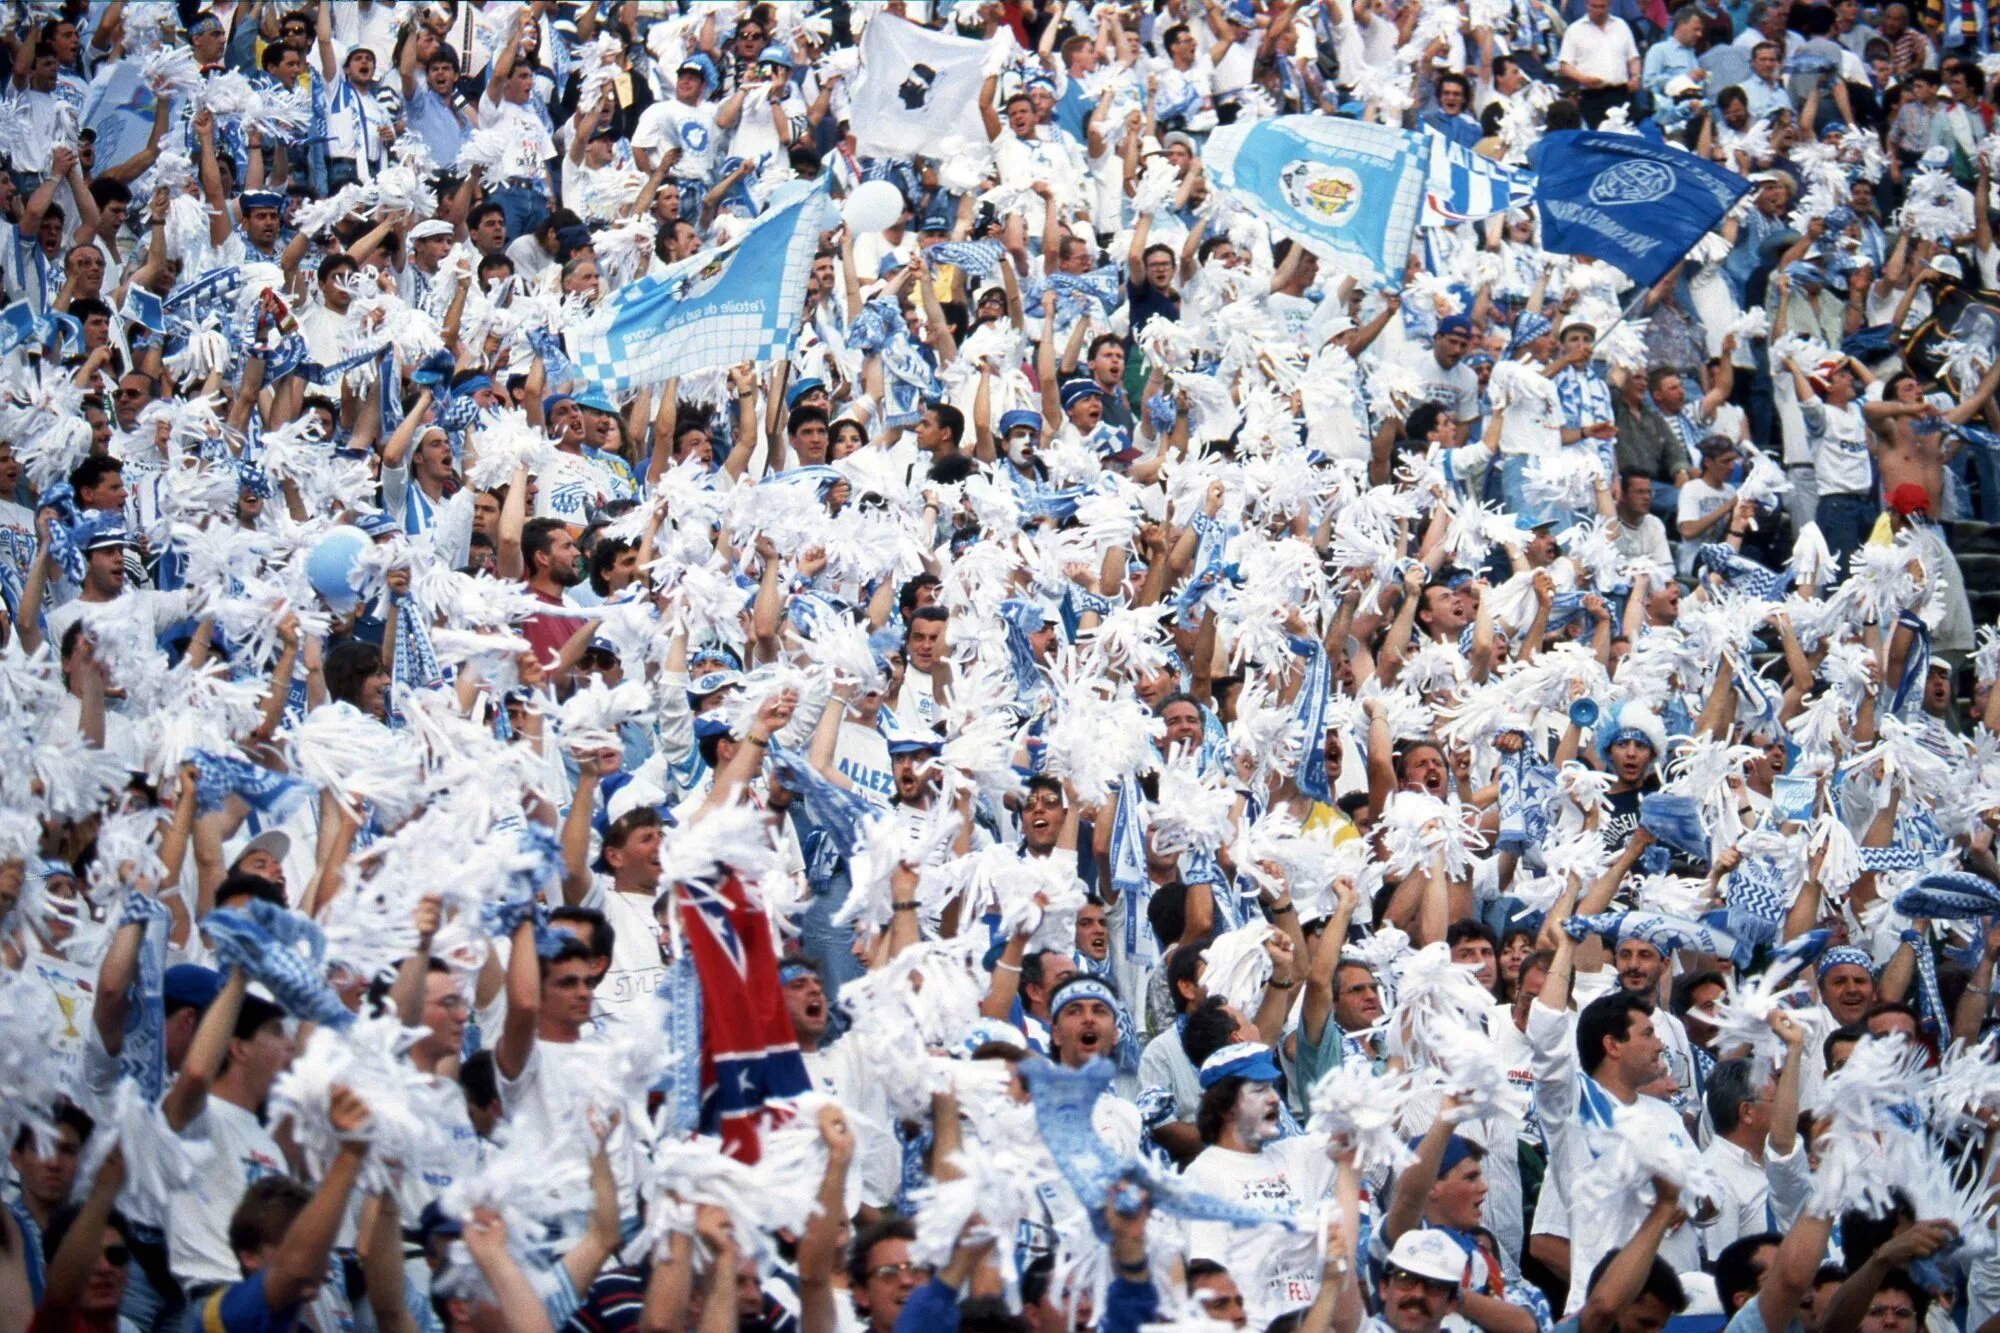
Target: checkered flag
[{"x": 715, "y": 309}]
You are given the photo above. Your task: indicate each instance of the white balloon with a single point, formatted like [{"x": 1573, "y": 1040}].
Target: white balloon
[{"x": 872, "y": 206}]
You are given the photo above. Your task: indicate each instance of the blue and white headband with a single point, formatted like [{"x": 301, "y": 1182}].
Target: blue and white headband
[
  {"x": 1085, "y": 988},
  {"x": 1844, "y": 954}
]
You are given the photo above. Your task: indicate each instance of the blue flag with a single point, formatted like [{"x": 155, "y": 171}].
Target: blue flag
[
  {"x": 1462, "y": 186},
  {"x": 1637, "y": 205},
  {"x": 1348, "y": 191},
  {"x": 715, "y": 309}
]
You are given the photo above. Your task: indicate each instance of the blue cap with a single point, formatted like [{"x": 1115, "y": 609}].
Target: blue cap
[
  {"x": 1243, "y": 12},
  {"x": 553, "y": 401},
  {"x": 262, "y": 199},
  {"x": 593, "y": 400},
  {"x": 909, "y": 742},
  {"x": 1243, "y": 1059},
  {"x": 1076, "y": 390},
  {"x": 1456, "y": 1150},
  {"x": 938, "y": 221},
  {"x": 600, "y": 644},
  {"x": 708, "y": 724},
  {"x": 378, "y": 524},
  {"x": 801, "y": 389},
  {"x": 191, "y": 984},
  {"x": 1457, "y": 324},
  {"x": 1016, "y": 419},
  {"x": 435, "y": 1221},
  {"x": 775, "y": 55}
]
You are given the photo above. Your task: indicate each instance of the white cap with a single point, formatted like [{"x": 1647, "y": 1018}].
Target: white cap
[
  {"x": 1429, "y": 1254},
  {"x": 1949, "y": 266},
  {"x": 423, "y": 231}
]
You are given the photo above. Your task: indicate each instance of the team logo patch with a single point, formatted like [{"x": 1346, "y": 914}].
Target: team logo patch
[
  {"x": 699, "y": 282},
  {"x": 1327, "y": 194},
  {"x": 1632, "y": 183}
]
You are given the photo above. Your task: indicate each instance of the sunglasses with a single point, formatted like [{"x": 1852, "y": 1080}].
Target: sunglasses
[{"x": 117, "y": 1255}]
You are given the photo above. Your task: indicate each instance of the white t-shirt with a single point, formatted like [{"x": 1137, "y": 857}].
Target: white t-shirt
[
  {"x": 548, "y": 1104},
  {"x": 442, "y": 1103},
  {"x": 1841, "y": 463},
  {"x": 1456, "y": 389},
  {"x": 862, "y": 757},
  {"x": 1646, "y": 539},
  {"x": 230, "y": 1149},
  {"x": 636, "y": 968},
  {"x": 163, "y": 607},
  {"x": 1288, "y": 1178},
  {"x": 674, "y": 124},
  {"x": 1699, "y": 500}
]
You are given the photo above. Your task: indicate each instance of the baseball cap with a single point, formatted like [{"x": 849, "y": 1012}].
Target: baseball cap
[
  {"x": 802, "y": 388},
  {"x": 708, "y": 682},
  {"x": 191, "y": 984},
  {"x": 1430, "y": 1255},
  {"x": 274, "y": 841},
  {"x": 908, "y": 742},
  {"x": 377, "y": 524},
  {"x": 1909, "y": 498},
  {"x": 1018, "y": 418},
  {"x": 1949, "y": 266},
  {"x": 553, "y": 401},
  {"x": 1242, "y": 1059},
  {"x": 107, "y": 535},
  {"x": 774, "y": 55},
  {"x": 593, "y": 400},
  {"x": 272, "y": 199},
  {"x": 1454, "y": 324}
]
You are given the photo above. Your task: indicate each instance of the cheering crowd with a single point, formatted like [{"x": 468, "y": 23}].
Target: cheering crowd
[{"x": 1129, "y": 776}]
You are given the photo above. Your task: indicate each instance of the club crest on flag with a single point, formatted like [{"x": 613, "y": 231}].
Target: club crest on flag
[
  {"x": 701, "y": 280},
  {"x": 1632, "y": 183},
  {"x": 1330, "y": 193}
]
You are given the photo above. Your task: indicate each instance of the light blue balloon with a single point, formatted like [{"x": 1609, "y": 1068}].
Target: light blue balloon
[{"x": 329, "y": 563}]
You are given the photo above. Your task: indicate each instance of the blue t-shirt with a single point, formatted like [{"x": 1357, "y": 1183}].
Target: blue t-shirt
[{"x": 241, "y": 1308}]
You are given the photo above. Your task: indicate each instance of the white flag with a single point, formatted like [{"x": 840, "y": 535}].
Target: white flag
[{"x": 916, "y": 89}]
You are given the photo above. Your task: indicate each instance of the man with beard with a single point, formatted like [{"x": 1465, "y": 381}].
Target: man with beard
[
  {"x": 550, "y": 561},
  {"x": 1246, "y": 1164}
]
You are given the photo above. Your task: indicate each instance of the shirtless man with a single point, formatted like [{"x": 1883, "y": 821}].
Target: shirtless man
[{"x": 1908, "y": 444}]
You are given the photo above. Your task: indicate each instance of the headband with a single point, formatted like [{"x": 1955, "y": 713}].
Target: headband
[
  {"x": 1088, "y": 988},
  {"x": 1845, "y": 954}
]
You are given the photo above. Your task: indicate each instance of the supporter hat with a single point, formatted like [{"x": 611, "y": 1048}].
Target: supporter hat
[
  {"x": 990, "y": 1031},
  {"x": 272, "y": 199},
  {"x": 1243, "y": 1059},
  {"x": 1576, "y": 324},
  {"x": 435, "y": 1221},
  {"x": 1844, "y": 955},
  {"x": 552, "y": 402},
  {"x": 801, "y": 389},
  {"x": 1802, "y": 272},
  {"x": 572, "y": 238},
  {"x": 1431, "y": 1255},
  {"x": 108, "y": 534},
  {"x": 937, "y": 220},
  {"x": 1076, "y": 390},
  {"x": 1456, "y": 1150},
  {"x": 1173, "y": 137},
  {"x": 593, "y": 400},
  {"x": 1949, "y": 266},
  {"x": 1018, "y": 418},
  {"x": 204, "y": 23},
  {"x": 774, "y": 55},
  {"x": 708, "y": 724},
  {"x": 377, "y": 524},
  {"x": 608, "y": 130},
  {"x": 708, "y": 682},
  {"x": 273, "y": 841},
  {"x": 909, "y": 742},
  {"x": 191, "y": 984},
  {"x": 1909, "y": 498},
  {"x": 1454, "y": 324},
  {"x": 1243, "y": 12},
  {"x": 423, "y": 231}
]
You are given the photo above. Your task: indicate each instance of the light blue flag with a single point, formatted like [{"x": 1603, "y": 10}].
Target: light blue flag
[
  {"x": 718, "y": 308},
  {"x": 1349, "y": 191},
  {"x": 119, "y": 108},
  {"x": 1637, "y": 205},
  {"x": 1462, "y": 186}
]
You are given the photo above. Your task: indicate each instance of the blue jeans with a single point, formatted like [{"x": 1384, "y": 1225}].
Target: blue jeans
[
  {"x": 830, "y": 946},
  {"x": 1667, "y": 505},
  {"x": 1845, "y": 520},
  {"x": 524, "y": 206}
]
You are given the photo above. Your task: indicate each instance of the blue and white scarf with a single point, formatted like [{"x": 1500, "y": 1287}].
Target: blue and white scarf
[{"x": 262, "y": 939}]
